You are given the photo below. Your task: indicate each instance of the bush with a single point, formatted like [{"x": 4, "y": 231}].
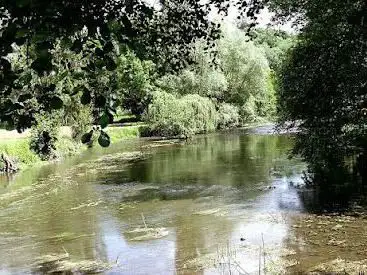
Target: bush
[
  {"x": 228, "y": 116},
  {"x": 78, "y": 116},
  {"x": 169, "y": 115},
  {"x": 248, "y": 110},
  {"x": 44, "y": 135}
]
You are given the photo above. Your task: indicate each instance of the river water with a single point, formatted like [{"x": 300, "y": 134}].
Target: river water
[{"x": 225, "y": 203}]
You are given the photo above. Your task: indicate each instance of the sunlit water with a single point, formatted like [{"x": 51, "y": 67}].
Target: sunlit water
[{"x": 218, "y": 202}]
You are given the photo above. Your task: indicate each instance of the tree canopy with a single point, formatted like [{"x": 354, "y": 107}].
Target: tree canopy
[
  {"x": 324, "y": 87},
  {"x": 162, "y": 33}
]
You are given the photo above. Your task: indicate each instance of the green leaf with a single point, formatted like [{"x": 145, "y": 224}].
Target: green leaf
[
  {"x": 42, "y": 64},
  {"x": 104, "y": 139},
  {"x": 21, "y": 33},
  {"x": 77, "y": 46},
  {"x": 63, "y": 75},
  {"x": 99, "y": 52},
  {"x": 87, "y": 137},
  {"x": 75, "y": 91},
  {"x": 50, "y": 88},
  {"x": 9, "y": 126},
  {"x": 86, "y": 97},
  {"x": 56, "y": 103},
  {"x": 18, "y": 106},
  {"x": 104, "y": 120},
  {"x": 5, "y": 65}
]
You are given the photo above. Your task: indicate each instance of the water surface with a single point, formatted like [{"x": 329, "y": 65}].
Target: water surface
[{"x": 216, "y": 202}]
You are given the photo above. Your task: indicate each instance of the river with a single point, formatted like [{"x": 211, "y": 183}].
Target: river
[{"x": 226, "y": 203}]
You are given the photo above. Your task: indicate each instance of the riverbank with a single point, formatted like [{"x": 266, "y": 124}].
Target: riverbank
[{"x": 16, "y": 145}]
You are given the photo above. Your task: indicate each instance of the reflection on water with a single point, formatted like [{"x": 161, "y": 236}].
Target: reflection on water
[{"x": 219, "y": 197}]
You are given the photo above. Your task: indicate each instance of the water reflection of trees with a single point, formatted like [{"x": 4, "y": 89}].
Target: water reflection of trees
[{"x": 231, "y": 159}]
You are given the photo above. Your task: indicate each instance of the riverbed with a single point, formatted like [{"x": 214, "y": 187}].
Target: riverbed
[{"x": 225, "y": 203}]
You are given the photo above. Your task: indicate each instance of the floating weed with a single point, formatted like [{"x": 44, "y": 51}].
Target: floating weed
[
  {"x": 147, "y": 233},
  {"x": 340, "y": 266},
  {"x": 61, "y": 264},
  {"x": 88, "y": 204}
]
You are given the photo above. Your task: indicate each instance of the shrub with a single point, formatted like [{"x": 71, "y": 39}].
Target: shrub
[
  {"x": 45, "y": 134},
  {"x": 169, "y": 115},
  {"x": 78, "y": 116},
  {"x": 248, "y": 110},
  {"x": 228, "y": 116}
]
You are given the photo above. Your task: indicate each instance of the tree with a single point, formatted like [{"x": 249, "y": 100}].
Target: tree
[
  {"x": 247, "y": 72},
  {"x": 168, "y": 30},
  {"x": 135, "y": 83},
  {"x": 323, "y": 88}
]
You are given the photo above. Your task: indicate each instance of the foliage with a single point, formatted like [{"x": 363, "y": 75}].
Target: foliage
[
  {"x": 119, "y": 133},
  {"x": 163, "y": 34},
  {"x": 135, "y": 83},
  {"x": 169, "y": 115},
  {"x": 323, "y": 87},
  {"x": 242, "y": 76},
  {"x": 45, "y": 135},
  {"x": 275, "y": 43},
  {"x": 202, "y": 78},
  {"x": 245, "y": 67},
  {"x": 228, "y": 116}
]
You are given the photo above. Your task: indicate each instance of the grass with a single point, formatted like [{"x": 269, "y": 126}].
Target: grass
[
  {"x": 66, "y": 146},
  {"x": 18, "y": 148},
  {"x": 20, "y": 151},
  {"x": 125, "y": 132}
]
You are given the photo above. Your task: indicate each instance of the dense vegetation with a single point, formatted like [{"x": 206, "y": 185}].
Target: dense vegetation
[
  {"x": 323, "y": 91},
  {"x": 227, "y": 85}
]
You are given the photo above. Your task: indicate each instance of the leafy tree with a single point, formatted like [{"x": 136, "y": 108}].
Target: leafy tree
[
  {"x": 228, "y": 116},
  {"x": 45, "y": 134},
  {"x": 169, "y": 115},
  {"x": 246, "y": 69},
  {"x": 169, "y": 30},
  {"x": 324, "y": 87},
  {"x": 276, "y": 44},
  {"x": 135, "y": 83}
]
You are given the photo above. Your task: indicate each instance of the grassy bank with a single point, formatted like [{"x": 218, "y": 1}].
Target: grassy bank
[
  {"x": 124, "y": 132},
  {"x": 17, "y": 146},
  {"x": 18, "y": 149}
]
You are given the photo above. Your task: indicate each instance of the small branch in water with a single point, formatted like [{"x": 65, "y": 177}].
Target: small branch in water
[
  {"x": 142, "y": 216},
  {"x": 67, "y": 253},
  {"x": 260, "y": 260},
  {"x": 262, "y": 237}
]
